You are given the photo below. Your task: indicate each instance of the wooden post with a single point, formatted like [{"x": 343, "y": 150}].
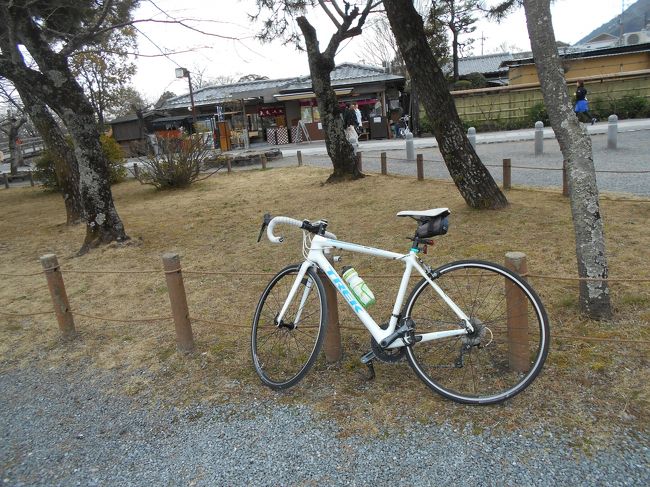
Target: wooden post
[
  {"x": 565, "y": 180},
  {"x": 507, "y": 174},
  {"x": 359, "y": 162},
  {"x": 59, "y": 297},
  {"x": 332, "y": 344},
  {"x": 263, "y": 161},
  {"x": 178, "y": 300},
  {"x": 517, "y": 316},
  {"x": 384, "y": 166},
  {"x": 299, "y": 154},
  {"x": 136, "y": 170},
  {"x": 229, "y": 165},
  {"x": 6, "y": 180},
  {"x": 31, "y": 179},
  {"x": 420, "y": 167}
]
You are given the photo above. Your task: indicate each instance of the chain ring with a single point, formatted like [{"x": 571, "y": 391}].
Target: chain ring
[{"x": 390, "y": 355}]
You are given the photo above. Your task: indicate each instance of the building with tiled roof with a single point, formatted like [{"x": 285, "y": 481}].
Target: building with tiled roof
[{"x": 279, "y": 110}]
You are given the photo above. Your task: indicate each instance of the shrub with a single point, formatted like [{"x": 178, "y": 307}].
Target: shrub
[
  {"x": 632, "y": 106},
  {"x": 476, "y": 79},
  {"x": 600, "y": 108},
  {"x": 538, "y": 113},
  {"x": 45, "y": 164},
  {"x": 44, "y": 171},
  {"x": 115, "y": 156},
  {"x": 462, "y": 84},
  {"x": 425, "y": 125},
  {"x": 177, "y": 164}
]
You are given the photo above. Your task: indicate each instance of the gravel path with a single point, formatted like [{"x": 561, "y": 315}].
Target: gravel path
[{"x": 59, "y": 428}]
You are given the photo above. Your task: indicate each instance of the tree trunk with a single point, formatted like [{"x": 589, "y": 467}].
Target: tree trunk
[
  {"x": 472, "y": 179},
  {"x": 454, "y": 51},
  {"x": 575, "y": 145},
  {"x": 339, "y": 149},
  {"x": 55, "y": 86},
  {"x": 64, "y": 96},
  {"x": 103, "y": 224},
  {"x": 65, "y": 163},
  {"x": 13, "y": 150}
]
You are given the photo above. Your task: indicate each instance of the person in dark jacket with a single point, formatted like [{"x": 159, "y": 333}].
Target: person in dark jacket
[
  {"x": 349, "y": 117},
  {"x": 582, "y": 105}
]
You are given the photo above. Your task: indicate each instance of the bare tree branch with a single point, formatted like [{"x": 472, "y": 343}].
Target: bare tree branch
[{"x": 329, "y": 13}]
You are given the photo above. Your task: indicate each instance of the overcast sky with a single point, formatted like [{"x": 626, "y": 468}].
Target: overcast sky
[{"x": 215, "y": 56}]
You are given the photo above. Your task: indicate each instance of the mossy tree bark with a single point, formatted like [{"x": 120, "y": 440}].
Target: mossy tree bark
[
  {"x": 471, "y": 177},
  {"x": 575, "y": 145},
  {"x": 66, "y": 167},
  {"x": 55, "y": 86}
]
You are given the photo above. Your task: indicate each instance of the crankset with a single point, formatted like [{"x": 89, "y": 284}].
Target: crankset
[{"x": 388, "y": 355}]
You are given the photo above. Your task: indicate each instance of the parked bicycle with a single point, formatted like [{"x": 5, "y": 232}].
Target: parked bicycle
[{"x": 472, "y": 331}]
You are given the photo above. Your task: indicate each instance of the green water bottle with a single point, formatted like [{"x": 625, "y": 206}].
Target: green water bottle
[{"x": 358, "y": 287}]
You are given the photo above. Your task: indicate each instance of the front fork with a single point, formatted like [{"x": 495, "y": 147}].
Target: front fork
[{"x": 292, "y": 293}]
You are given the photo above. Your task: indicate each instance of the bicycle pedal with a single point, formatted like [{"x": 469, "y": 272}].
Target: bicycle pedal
[
  {"x": 368, "y": 358},
  {"x": 371, "y": 371}
]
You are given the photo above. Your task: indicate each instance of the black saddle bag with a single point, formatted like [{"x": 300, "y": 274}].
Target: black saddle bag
[{"x": 432, "y": 226}]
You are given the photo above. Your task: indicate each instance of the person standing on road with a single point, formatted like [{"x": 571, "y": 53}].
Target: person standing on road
[
  {"x": 349, "y": 117},
  {"x": 350, "y": 123},
  {"x": 357, "y": 114},
  {"x": 582, "y": 105}
]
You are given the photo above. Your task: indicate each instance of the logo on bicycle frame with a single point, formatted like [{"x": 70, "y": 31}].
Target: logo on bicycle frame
[{"x": 347, "y": 294}]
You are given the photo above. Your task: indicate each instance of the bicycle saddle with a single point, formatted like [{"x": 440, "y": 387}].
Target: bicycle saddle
[{"x": 432, "y": 213}]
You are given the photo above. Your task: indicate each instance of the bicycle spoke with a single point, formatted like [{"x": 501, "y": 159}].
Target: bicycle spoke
[
  {"x": 481, "y": 367},
  {"x": 283, "y": 353}
]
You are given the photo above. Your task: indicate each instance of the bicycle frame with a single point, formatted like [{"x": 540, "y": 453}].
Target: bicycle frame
[{"x": 316, "y": 257}]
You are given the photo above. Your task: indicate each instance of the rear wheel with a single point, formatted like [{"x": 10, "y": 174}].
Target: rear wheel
[
  {"x": 509, "y": 344},
  {"x": 284, "y": 352}
]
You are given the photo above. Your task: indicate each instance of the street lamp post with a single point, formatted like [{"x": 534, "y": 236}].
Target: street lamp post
[{"x": 184, "y": 73}]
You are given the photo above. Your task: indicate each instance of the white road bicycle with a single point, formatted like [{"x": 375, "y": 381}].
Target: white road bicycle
[{"x": 473, "y": 331}]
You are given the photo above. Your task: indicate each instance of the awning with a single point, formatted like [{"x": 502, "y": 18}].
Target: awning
[{"x": 310, "y": 94}]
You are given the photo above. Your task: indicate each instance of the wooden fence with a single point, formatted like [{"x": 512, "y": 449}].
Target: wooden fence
[
  {"x": 183, "y": 318},
  {"x": 513, "y": 103}
]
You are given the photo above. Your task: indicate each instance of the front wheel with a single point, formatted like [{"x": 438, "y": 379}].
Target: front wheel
[
  {"x": 509, "y": 344},
  {"x": 284, "y": 351}
]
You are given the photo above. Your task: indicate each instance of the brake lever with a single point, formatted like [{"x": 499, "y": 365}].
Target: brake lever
[{"x": 265, "y": 223}]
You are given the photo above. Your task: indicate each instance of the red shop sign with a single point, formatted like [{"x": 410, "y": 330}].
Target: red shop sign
[{"x": 271, "y": 111}]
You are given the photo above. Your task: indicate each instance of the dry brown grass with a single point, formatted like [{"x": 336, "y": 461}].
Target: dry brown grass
[{"x": 595, "y": 386}]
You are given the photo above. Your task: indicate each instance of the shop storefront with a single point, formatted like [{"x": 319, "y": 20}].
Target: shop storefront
[{"x": 286, "y": 110}]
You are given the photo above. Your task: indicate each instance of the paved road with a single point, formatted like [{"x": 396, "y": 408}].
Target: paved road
[{"x": 630, "y": 161}]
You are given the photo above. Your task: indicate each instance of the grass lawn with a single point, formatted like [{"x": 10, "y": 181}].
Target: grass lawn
[{"x": 595, "y": 386}]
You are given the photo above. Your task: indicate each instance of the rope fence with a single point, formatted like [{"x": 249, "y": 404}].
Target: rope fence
[
  {"x": 506, "y": 166},
  {"x": 183, "y": 320},
  {"x": 535, "y": 168}
]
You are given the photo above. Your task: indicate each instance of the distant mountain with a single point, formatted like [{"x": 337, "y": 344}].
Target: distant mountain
[{"x": 634, "y": 19}]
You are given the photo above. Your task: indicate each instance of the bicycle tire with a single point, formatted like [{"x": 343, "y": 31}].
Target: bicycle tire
[
  {"x": 502, "y": 357},
  {"x": 279, "y": 360}
]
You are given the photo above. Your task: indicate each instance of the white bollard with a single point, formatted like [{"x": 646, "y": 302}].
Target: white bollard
[
  {"x": 471, "y": 135},
  {"x": 539, "y": 138},
  {"x": 612, "y": 132},
  {"x": 410, "y": 149}
]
